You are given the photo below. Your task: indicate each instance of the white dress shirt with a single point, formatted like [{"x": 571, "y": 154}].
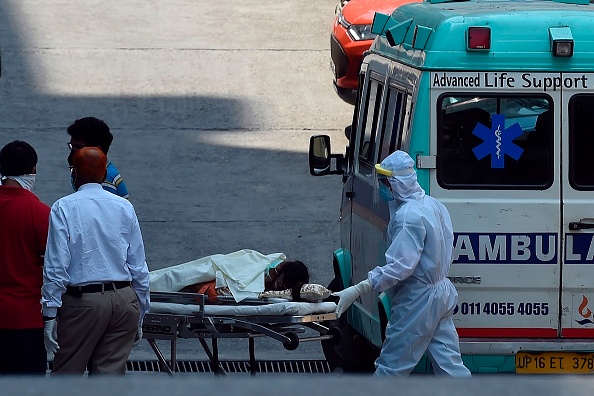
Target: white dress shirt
[{"x": 94, "y": 237}]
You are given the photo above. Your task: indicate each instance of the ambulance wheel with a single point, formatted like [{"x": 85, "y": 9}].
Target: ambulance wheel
[
  {"x": 351, "y": 353},
  {"x": 336, "y": 335},
  {"x": 293, "y": 342}
]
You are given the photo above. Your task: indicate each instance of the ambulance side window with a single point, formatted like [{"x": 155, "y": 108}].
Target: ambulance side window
[
  {"x": 393, "y": 121},
  {"x": 494, "y": 142},
  {"x": 581, "y": 142},
  {"x": 370, "y": 127}
]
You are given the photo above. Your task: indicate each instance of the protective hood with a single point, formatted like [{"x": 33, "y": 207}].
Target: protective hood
[{"x": 399, "y": 168}]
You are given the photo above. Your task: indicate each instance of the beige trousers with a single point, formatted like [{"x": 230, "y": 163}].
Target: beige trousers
[{"x": 101, "y": 326}]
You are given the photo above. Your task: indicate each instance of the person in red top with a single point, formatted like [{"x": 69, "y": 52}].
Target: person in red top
[{"x": 23, "y": 234}]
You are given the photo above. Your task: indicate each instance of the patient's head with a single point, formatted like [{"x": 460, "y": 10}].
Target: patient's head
[{"x": 288, "y": 275}]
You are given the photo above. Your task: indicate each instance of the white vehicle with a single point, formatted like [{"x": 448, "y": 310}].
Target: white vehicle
[{"x": 495, "y": 101}]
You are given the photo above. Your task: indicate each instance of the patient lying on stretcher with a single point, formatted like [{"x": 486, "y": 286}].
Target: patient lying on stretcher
[
  {"x": 278, "y": 276},
  {"x": 242, "y": 274}
]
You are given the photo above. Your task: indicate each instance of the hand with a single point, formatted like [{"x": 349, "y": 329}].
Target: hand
[
  {"x": 138, "y": 337},
  {"x": 348, "y": 296},
  {"x": 50, "y": 334}
]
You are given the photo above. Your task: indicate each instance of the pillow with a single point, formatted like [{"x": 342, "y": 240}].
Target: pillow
[
  {"x": 309, "y": 292},
  {"x": 314, "y": 292}
]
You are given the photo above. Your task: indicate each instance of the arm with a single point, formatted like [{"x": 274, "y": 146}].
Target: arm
[
  {"x": 114, "y": 183},
  {"x": 403, "y": 254},
  {"x": 121, "y": 188},
  {"x": 41, "y": 227},
  {"x": 402, "y": 258},
  {"x": 57, "y": 260},
  {"x": 136, "y": 262}
]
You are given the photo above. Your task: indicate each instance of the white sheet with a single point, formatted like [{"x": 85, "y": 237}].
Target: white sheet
[
  {"x": 284, "y": 308},
  {"x": 241, "y": 271}
]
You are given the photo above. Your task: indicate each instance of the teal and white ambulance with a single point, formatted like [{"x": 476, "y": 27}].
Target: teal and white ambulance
[{"x": 495, "y": 101}]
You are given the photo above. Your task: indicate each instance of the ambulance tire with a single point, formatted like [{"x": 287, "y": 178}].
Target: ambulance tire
[
  {"x": 336, "y": 334},
  {"x": 351, "y": 353}
]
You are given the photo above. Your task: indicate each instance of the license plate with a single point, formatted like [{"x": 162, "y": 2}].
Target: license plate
[{"x": 554, "y": 363}]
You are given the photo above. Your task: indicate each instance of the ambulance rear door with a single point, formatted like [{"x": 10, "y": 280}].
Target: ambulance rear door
[
  {"x": 498, "y": 172},
  {"x": 577, "y": 296}
]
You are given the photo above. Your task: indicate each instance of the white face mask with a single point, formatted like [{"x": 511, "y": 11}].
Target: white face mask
[{"x": 26, "y": 181}]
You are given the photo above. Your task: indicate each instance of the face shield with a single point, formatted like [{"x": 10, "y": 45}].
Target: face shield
[
  {"x": 398, "y": 170},
  {"x": 384, "y": 188}
]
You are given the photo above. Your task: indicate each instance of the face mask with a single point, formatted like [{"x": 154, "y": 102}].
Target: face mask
[
  {"x": 26, "y": 181},
  {"x": 386, "y": 193}
]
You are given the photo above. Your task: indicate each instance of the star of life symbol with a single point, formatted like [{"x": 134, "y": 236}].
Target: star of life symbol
[{"x": 498, "y": 141}]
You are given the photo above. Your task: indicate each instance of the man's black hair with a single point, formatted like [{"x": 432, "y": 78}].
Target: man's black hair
[
  {"x": 93, "y": 131},
  {"x": 17, "y": 158}
]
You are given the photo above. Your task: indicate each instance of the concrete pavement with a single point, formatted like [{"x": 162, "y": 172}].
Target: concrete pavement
[{"x": 211, "y": 105}]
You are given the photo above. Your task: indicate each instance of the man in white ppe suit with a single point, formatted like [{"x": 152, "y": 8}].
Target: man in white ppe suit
[{"x": 417, "y": 262}]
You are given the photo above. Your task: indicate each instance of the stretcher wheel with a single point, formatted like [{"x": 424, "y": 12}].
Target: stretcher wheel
[
  {"x": 293, "y": 342},
  {"x": 336, "y": 334}
]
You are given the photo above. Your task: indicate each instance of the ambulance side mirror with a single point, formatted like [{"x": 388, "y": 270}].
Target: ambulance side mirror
[
  {"x": 320, "y": 157},
  {"x": 347, "y": 132}
]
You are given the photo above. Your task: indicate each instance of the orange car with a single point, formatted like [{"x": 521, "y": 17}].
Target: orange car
[{"x": 351, "y": 36}]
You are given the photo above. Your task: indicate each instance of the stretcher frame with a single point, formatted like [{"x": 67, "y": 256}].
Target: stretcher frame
[{"x": 283, "y": 328}]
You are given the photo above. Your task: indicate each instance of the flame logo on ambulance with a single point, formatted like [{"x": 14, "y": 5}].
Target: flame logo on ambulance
[{"x": 585, "y": 312}]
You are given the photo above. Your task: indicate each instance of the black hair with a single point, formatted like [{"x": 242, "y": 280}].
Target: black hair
[
  {"x": 296, "y": 275},
  {"x": 17, "y": 158},
  {"x": 93, "y": 131}
]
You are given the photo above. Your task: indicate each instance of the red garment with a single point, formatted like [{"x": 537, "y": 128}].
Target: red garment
[{"x": 23, "y": 234}]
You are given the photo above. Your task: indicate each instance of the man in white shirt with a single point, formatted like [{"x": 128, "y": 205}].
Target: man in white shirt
[{"x": 96, "y": 280}]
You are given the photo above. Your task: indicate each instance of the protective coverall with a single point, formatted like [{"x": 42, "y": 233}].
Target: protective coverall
[{"x": 417, "y": 262}]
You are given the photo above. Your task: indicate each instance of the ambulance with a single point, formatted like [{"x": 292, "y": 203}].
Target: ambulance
[{"x": 494, "y": 99}]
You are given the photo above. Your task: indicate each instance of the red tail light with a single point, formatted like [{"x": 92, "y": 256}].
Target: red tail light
[{"x": 479, "y": 38}]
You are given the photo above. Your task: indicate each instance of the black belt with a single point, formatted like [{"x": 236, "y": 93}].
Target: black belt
[{"x": 96, "y": 288}]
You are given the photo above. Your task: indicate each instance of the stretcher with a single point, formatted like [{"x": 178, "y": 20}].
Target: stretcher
[{"x": 176, "y": 315}]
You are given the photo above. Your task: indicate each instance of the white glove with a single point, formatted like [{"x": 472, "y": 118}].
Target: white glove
[
  {"x": 138, "y": 337},
  {"x": 50, "y": 334},
  {"x": 350, "y": 294}
]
